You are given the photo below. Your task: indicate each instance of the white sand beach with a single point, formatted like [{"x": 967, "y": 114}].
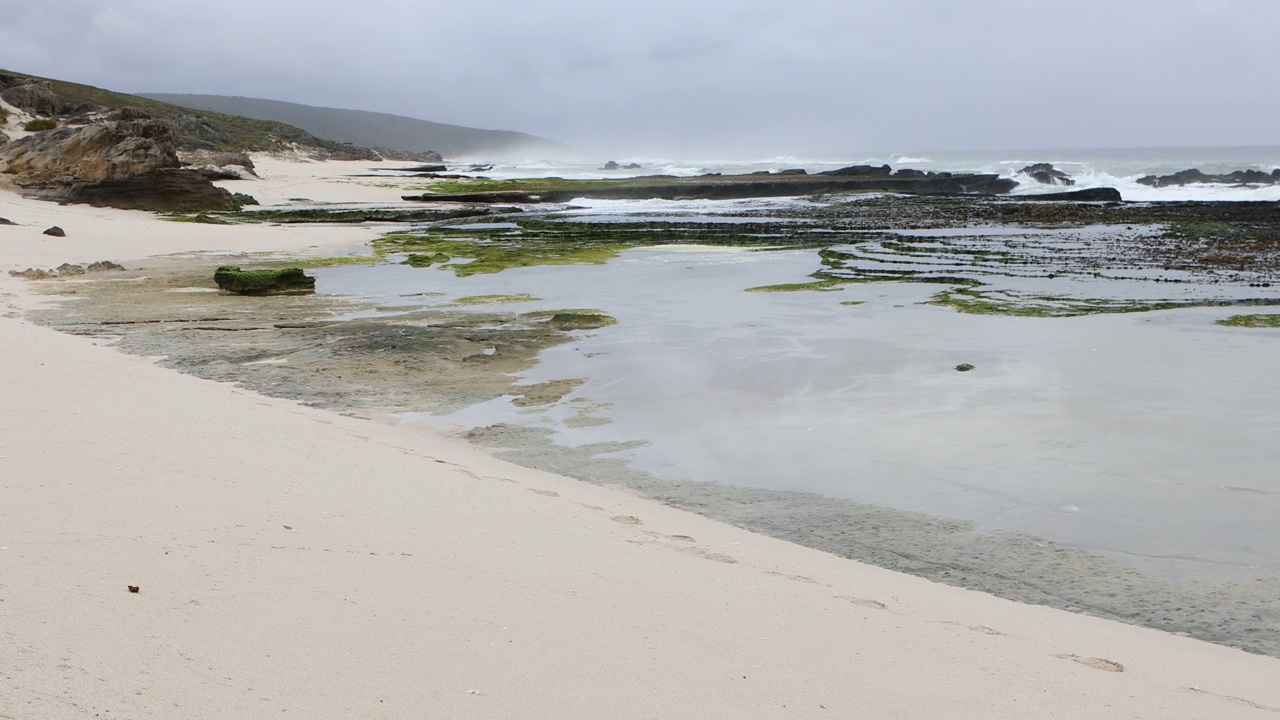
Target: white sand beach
[{"x": 292, "y": 562}]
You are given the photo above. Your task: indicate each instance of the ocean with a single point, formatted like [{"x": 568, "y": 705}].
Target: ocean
[
  {"x": 1117, "y": 168},
  {"x": 1109, "y": 446}
]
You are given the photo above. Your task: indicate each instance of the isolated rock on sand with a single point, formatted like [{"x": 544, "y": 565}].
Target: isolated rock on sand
[
  {"x": 126, "y": 163},
  {"x": 263, "y": 282},
  {"x": 65, "y": 270},
  {"x": 55, "y": 231},
  {"x": 1047, "y": 174},
  {"x": 7, "y": 221},
  {"x": 220, "y": 165}
]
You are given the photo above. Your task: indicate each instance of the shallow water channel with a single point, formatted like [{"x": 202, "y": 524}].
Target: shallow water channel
[{"x": 1150, "y": 437}]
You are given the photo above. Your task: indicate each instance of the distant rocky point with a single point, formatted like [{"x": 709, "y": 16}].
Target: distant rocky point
[
  {"x": 375, "y": 130},
  {"x": 789, "y": 183},
  {"x": 1195, "y": 177}
]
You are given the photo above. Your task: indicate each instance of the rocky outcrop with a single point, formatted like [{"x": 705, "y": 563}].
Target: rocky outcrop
[
  {"x": 860, "y": 170},
  {"x": 1194, "y": 177},
  {"x": 65, "y": 270},
  {"x": 168, "y": 190},
  {"x": 220, "y": 165},
  {"x": 92, "y": 153},
  {"x": 754, "y": 185},
  {"x": 263, "y": 282},
  {"x": 1047, "y": 174},
  {"x": 1101, "y": 194},
  {"x": 129, "y": 162},
  {"x": 55, "y": 231},
  {"x": 35, "y": 97}
]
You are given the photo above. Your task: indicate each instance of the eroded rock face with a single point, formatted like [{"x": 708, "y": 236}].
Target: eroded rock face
[
  {"x": 34, "y": 97},
  {"x": 92, "y": 153},
  {"x": 168, "y": 190},
  {"x": 130, "y": 162}
]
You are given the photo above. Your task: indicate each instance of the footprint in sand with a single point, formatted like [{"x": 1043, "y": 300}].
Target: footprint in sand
[
  {"x": 864, "y": 602},
  {"x": 708, "y": 554},
  {"x": 544, "y": 493},
  {"x": 1095, "y": 662},
  {"x": 1232, "y": 699},
  {"x": 627, "y": 519},
  {"x": 976, "y": 628}
]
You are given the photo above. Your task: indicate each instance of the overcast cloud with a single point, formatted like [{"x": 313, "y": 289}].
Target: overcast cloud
[{"x": 706, "y": 77}]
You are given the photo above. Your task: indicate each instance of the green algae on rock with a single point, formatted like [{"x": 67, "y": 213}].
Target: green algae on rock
[
  {"x": 491, "y": 300},
  {"x": 815, "y": 286},
  {"x": 270, "y": 281},
  {"x": 1251, "y": 321}
]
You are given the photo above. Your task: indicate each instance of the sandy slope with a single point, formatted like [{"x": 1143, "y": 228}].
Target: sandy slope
[{"x": 293, "y": 561}]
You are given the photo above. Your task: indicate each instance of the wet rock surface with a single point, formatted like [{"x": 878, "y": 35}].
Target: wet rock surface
[
  {"x": 763, "y": 184},
  {"x": 1046, "y": 174},
  {"x": 288, "y": 346},
  {"x": 1194, "y": 177}
]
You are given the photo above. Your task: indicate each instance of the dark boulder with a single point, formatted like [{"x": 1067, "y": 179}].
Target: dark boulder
[
  {"x": 611, "y": 165},
  {"x": 1046, "y": 174},
  {"x": 55, "y": 231},
  {"x": 484, "y": 197},
  {"x": 793, "y": 171},
  {"x": 7, "y": 221},
  {"x": 1103, "y": 194},
  {"x": 169, "y": 190},
  {"x": 263, "y": 282},
  {"x": 909, "y": 173},
  {"x": 860, "y": 170},
  {"x": 1196, "y": 177},
  {"x": 34, "y": 97},
  {"x": 129, "y": 113},
  {"x": 632, "y": 166}
]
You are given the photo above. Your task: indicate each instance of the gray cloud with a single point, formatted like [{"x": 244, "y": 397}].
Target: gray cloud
[{"x": 707, "y": 78}]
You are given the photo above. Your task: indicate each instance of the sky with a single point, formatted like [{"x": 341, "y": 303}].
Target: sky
[{"x": 706, "y": 78}]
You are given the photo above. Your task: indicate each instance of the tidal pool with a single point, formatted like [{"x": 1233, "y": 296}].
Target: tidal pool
[{"x": 1147, "y": 437}]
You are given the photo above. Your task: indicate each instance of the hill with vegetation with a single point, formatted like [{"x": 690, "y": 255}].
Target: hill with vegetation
[
  {"x": 372, "y": 129},
  {"x": 198, "y": 129}
]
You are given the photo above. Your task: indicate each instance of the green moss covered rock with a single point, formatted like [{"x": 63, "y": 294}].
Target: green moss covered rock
[{"x": 264, "y": 282}]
